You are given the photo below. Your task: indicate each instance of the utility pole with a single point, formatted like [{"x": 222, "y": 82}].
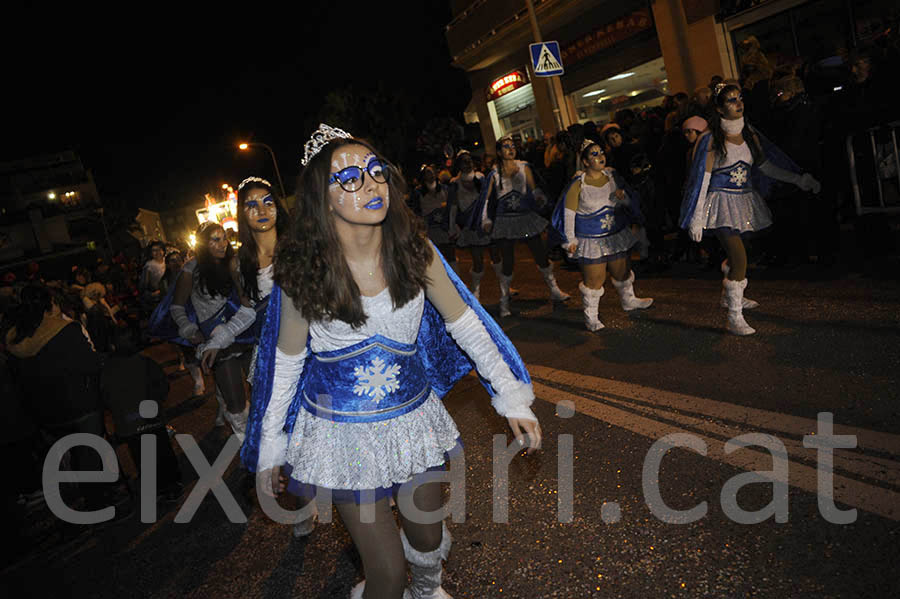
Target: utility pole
[{"x": 536, "y": 32}]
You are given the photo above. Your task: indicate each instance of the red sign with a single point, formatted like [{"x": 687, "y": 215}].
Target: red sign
[
  {"x": 606, "y": 36},
  {"x": 506, "y": 84}
]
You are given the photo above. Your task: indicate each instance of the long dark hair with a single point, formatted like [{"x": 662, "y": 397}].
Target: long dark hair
[
  {"x": 26, "y": 318},
  {"x": 213, "y": 275},
  {"x": 309, "y": 261},
  {"x": 718, "y": 133},
  {"x": 499, "y": 164},
  {"x": 248, "y": 254}
]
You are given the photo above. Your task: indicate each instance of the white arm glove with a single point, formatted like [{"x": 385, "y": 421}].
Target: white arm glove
[
  {"x": 513, "y": 397},
  {"x": 569, "y": 224},
  {"x": 806, "y": 182},
  {"x": 186, "y": 328},
  {"x": 223, "y": 335},
  {"x": 273, "y": 441},
  {"x": 698, "y": 219}
]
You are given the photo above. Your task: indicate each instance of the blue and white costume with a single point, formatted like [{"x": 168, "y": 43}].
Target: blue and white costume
[
  {"x": 513, "y": 206},
  {"x": 359, "y": 409},
  {"x": 437, "y": 213},
  {"x": 601, "y": 224},
  {"x": 733, "y": 193},
  {"x": 466, "y": 202}
]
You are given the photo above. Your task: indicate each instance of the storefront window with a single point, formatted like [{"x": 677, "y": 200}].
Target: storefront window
[
  {"x": 637, "y": 88},
  {"x": 517, "y": 115}
]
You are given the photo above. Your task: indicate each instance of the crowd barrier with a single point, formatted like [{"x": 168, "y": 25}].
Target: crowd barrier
[{"x": 875, "y": 166}]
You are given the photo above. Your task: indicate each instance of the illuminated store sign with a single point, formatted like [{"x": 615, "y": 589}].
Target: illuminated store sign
[{"x": 506, "y": 84}]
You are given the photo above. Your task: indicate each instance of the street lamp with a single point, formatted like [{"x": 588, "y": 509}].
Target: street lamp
[{"x": 246, "y": 146}]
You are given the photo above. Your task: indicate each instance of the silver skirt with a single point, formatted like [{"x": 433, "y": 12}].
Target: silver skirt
[
  {"x": 518, "y": 226},
  {"x": 742, "y": 212},
  {"x": 592, "y": 248},
  {"x": 370, "y": 455},
  {"x": 468, "y": 238}
]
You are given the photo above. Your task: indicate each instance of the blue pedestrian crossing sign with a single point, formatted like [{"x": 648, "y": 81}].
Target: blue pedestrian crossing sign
[{"x": 545, "y": 59}]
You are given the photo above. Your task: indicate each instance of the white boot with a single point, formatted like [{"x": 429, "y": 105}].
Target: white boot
[
  {"x": 220, "y": 411},
  {"x": 748, "y": 304},
  {"x": 476, "y": 283},
  {"x": 426, "y": 569},
  {"x": 238, "y": 422},
  {"x": 504, "y": 294},
  {"x": 734, "y": 294},
  {"x": 626, "y": 294},
  {"x": 498, "y": 270},
  {"x": 556, "y": 293},
  {"x": 197, "y": 376},
  {"x": 590, "y": 300},
  {"x": 357, "y": 592}
]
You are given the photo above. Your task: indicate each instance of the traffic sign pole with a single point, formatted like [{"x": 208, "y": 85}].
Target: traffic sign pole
[{"x": 535, "y": 30}]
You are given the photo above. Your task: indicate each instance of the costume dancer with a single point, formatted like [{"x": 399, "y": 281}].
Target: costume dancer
[
  {"x": 206, "y": 311},
  {"x": 508, "y": 211},
  {"x": 732, "y": 169},
  {"x": 594, "y": 217},
  {"x": 438, "y": 214},
  {"x": 355, "y": 354},
  {"x": 464, "y": 190}
]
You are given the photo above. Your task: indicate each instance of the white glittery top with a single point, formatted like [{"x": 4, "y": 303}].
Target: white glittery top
[
  {"x": 593, "y": 198},
  {"x": 265, "y": 281},
  {"x": 517, "y": 181},
  {"x": 465, "y": 197},
  {"x": 433, "y": 200},
  {"x": 205, "y": 305},
  {"x": 734, "y": 153},
  {"x": 401, "y": 325}
]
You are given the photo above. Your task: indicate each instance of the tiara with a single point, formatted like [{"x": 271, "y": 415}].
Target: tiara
[
  {"x": 718, "y": 89},
  {"x": 586, "y": 144},
  {"x": 254, "y": 180},
  {"x": 320, "y": 139}
]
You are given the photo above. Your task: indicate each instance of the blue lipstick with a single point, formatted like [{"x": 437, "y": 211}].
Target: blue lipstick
[{"x": 375, "y": 204}]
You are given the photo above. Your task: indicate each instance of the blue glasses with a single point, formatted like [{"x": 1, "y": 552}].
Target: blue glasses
[{"x": 352, "y": 178}]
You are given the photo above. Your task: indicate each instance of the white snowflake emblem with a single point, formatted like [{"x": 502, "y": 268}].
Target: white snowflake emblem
[
  {"x": 607, "y": 221},
  {"x": 512, "y": 203},
  {"x": 376, "y": 380},
  {"x": 739, "y": 175}
]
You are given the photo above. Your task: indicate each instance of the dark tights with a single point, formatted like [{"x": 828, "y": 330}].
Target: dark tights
[
  {"x": 230, "y": 381},
  {"x": 737, "y": 255},
  {"x": 478, "y": 257},
  {"x": 508, "y": 250},
  {"x": 379, "y": 545}
]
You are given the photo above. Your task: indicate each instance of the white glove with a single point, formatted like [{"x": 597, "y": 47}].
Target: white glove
[
  {"x": 569, "y": 225},
  {"x": 698, "y": 219},
  {"x": 513, "y": 397},
  {"x": 224, "y": 334},
  {"x": 186, "y": 328},
  {"x": 273, "y": 441},
  {"x": 808, "y": 183}
]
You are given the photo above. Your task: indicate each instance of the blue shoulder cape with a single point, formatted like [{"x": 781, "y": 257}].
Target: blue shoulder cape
[
  {"x": 761, "y": 183},
  {"x": 556, "y": 234},
  {"x": 445, "y": 363}
]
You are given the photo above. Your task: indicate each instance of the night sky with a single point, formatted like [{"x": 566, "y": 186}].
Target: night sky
[{"x": 155, "y": 99}]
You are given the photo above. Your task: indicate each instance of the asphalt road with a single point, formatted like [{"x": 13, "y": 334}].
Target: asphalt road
[{"x": 824, "y": 344}]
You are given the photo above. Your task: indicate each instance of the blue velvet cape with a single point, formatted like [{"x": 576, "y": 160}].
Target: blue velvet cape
[
  {"x": 761, "y": 183},
  {"x": 445, "y": 363},
  {"x": 556, "y": 234}
]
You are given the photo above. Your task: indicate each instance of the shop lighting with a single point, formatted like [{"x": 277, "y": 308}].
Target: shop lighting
[
  {"x": 51, "y": 195},
  {"x": 838, "y": 88},
  {"x": 622, "y": 76},
  {"x": 604, "y": 99},
  {"x": 594, "y": 93}
]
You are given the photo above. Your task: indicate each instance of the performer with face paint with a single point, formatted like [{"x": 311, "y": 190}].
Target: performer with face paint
[
  {"x": 593, "y": 219},
  {"x": 465, "y": 188},
  {"x": 508, "y": 210},
  {"x": 732, "y": 169},
  {"x": 204, "y": 310},
  {"x": 367, "y": 327}
]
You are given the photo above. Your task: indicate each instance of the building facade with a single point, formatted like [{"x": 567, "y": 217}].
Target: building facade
[{"x": 631, "y": 53}]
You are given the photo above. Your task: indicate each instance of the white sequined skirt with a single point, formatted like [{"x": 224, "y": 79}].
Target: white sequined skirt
[
  {"x": 742, "y": 212},
  {"x": 594, "y": 248},
  {"x": 518, "y": 226},
  {"x": 370, "y": 455}
]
